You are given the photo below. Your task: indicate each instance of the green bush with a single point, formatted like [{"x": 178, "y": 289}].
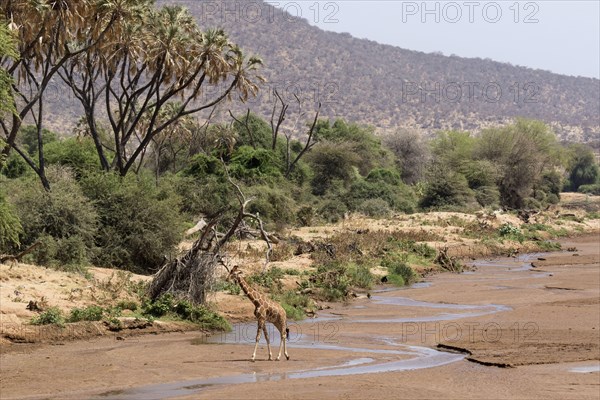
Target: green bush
[
  {"x": 260, "y": 135},
  {"x": 253, "y": 165},
  {"x": 52, "y": 315},
  {"x": 377, "y": 208},
  {"x": 168, "y": 305},
  {"x": 77, "y": 153},
  {"x": 202, "y": 196},
  {"x": 273, "y": 205},
  {"x": 593, "y": 189},
  {"x": 15, "y": 167},
  {"x": 293, "y": 313},
  {"x": 360, "y": 276},
  {"x": 333, "y": 210},
  {"x": 28, "y": 136},
  {"x": 384, "y": 175},
  {"x": 295, "y": 304},
  {"x": 202, "y": 165},
  {"x": 64, "y": 220},
  {"x": 487, "y": 196},
  {"x": 398, "y": 197},
  {"x": 480, "y": 173},
  {"x": 400, "y": 273},
  {"x": 333, "y": 281},
  {"x": 128, "y": 305},
  {"x": 91, "y": 313},
  {"x": 140, "y": 222},
  {"x": 232, "y": 288},
  {"x": 335, "y": 278},
  {"x": 305, "y": 215},
  {"x": 510, "y": 231},
  {"x": 583, "y": 169},
  {"x": 270, "y": 279},
  {"x": 446, "y": 188},
  {"x": 331, "y": 163}
]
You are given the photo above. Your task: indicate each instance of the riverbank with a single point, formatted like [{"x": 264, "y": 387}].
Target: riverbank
[{"x": 541, "y": 321}]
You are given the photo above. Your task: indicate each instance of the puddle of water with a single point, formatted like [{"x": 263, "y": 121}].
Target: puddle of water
[
  {"x": 471, "y": 310},
  {"x": 423, "y": 358},
  {"x": 586, "y": 369},
  {"x": 418, "y": 285}
]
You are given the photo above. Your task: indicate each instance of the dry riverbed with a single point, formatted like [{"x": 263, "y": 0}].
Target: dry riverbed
[{"x": 524, "y": 331}]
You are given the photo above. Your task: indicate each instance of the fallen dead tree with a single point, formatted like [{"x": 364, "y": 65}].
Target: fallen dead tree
[
  {"x": 10, "y": 258},
  {"x": 448, "y": 262},
  {"x": 192, "y": 275}
]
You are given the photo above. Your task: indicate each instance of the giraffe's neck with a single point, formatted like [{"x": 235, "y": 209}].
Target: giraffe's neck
[{"x": 252, "y": 294}]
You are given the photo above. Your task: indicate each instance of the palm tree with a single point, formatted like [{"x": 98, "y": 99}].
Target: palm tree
[{"x": 50, "y": 33}]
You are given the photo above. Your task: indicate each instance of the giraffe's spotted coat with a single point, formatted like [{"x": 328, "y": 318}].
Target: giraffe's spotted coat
[{"x": 265, "y": 311}]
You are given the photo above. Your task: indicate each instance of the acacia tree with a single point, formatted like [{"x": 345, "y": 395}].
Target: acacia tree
[
  {"x": 292, "y": 161},
  {"x": 522, "y": 152},
  {"x": 412, "y": 153},
  {"x": 160, "y": 56},
  {"x": 49, "y": 33}
]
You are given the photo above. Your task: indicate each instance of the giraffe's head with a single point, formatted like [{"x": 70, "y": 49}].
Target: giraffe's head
[{"x": 235, "y": 272}]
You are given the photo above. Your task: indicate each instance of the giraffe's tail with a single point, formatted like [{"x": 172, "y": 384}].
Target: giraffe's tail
[{"x": 287, "y": 333}]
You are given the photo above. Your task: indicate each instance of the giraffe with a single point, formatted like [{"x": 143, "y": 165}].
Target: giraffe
[{"x": 266, "y": 311}]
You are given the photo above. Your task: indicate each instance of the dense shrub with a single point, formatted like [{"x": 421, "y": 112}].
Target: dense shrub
[
  {"x": 480, "y": 173},
  {"x": 400, "y": 273},
  {"x": 446, "y": 188},
  {"x": 254, "y": 165},
  {"x": 332, "y": 162},
  {"x": 295, "y": 304},
  {"x": 384, "y": 175},
  {"x": 305, "y": 215},
  {"x": 52, "y": 315},
  {"x": 28, "y": 137},
  {"x": 201, "y": 165},
  {"x": 202, "y": 195},
  {"x": 273, "y": 205},
  {"x": 14, "y": 166},
  {"x": 270, "y": 279},
  {"x": 582, "y": 169},
  {"x": 333, "y": 210},
  {"x": 77, "y": 153},
  {"x": 487, "y": 196},
  {"x": 251, "y": 130},
  {"x": 398, "y": 197},
  {"x": 64, "y": 220},
  {"x": 523, "y": 152},
  {"x": 140, "y": 223},
  {"x": 91, "y": 313},
  {"x": 169, "y": 306},
  {"x": 377, "y": 208},
  {"x": 590, "y": 189},
  {"x": 335, "y": 278}
]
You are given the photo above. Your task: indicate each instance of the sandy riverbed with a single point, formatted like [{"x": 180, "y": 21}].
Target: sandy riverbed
[{"x": 541, "y": 322}]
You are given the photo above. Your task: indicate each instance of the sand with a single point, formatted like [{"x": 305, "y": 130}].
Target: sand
[{"x": 544, "y": 324}]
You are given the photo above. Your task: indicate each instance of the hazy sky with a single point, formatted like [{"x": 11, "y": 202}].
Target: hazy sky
[{"x": 560, "y": 36}]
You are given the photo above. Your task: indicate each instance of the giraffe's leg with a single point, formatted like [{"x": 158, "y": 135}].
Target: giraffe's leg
[
  {"x": 284, "y": 337},
  {"x": 267, "y": 339},
  {"x": 260, "y": 324},
  {"x": 283, "y": 343}
]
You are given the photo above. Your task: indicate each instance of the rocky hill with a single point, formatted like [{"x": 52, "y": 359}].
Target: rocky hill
[{"x": 387, "y": 86}]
